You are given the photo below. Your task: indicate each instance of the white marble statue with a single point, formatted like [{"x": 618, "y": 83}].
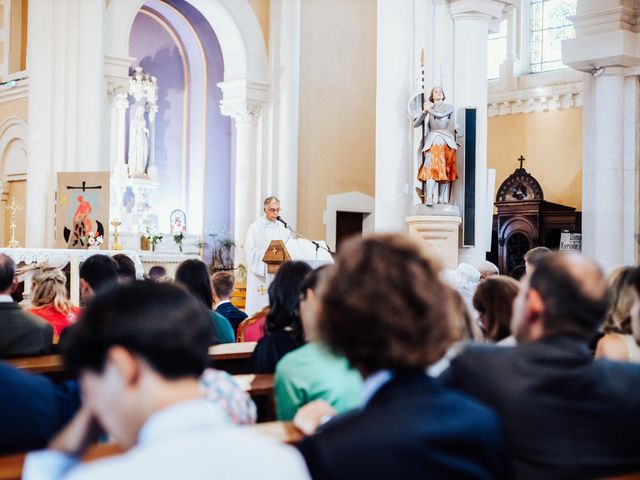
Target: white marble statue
[
  {"x": 138, "y": 144},
  {"x": 260, "y": 234}
]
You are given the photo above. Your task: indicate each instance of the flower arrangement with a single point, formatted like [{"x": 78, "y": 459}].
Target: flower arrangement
[
  {"x": 153, "y": 238},
  {"x": 178, "y": 236},
  {"x": 94, "y": 240}
]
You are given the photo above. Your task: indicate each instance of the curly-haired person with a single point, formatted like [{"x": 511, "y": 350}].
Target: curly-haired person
[{"x": 384, "y": 308}]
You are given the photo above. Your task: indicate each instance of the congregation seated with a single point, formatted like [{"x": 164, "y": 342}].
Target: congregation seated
[
  {"x": 21, "y": 333},
  {"x": 533, "y": 257},
  {"x": 618, "y": 342},
  {"x": 32, "y": 409},
  {"x": 156, "y": 272},
  {"x": 126, "y": 267},
  {"x": 487, "y": 269},
  {"x": 222, "y": 283},
  {"x": 49, "y": 300},
  {"x": 565, "y": 414},
  {"x": 283, "y": 328},
  {"x": 385, "y": 309},
  {"x": 312, "y": 372},
  {"x": 252, "y": 329},
  {"x": 194, "y": 276},
  {"x": 96, "y": 273},
  {"x": 493, "y": 300},
  {"x": 221, "y": 389},
  {"x": 139, "y": 351}
]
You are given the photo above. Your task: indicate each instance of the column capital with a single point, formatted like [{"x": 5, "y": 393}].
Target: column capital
[
  {"x": 244, "y": 100},
  {"x": 605, "y": 37},
  {"x": 482, "y": 9}
]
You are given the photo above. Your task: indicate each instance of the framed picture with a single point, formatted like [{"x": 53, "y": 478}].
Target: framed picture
[{"x": 82, "y": 209}]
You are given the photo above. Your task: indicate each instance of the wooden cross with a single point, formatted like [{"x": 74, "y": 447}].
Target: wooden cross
[
  {"x": 521, "y": 160},
  {"x": 84, "y": 187}
]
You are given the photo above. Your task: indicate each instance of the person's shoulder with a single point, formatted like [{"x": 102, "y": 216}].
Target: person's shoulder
[
  {"x": 613, "y": 347},
  {"x": 295, "y": 361}
]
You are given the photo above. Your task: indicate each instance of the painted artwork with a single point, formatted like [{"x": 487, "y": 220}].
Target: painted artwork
[{"x": 82, "y": 210}]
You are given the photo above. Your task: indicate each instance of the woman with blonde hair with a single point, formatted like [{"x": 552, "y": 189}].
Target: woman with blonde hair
[
  {"x": 618, "y": 342},
  {"x": 49, "y": 299}
]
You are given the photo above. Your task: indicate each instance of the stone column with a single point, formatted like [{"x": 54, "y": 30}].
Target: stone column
[
  {"x": 471, "y": 26},
  {"x": 284, "y": 55},
  {"x": 394, "y": 85},
  {"x": 604, "y": 48},
  {"x": 246, "y": 118}
]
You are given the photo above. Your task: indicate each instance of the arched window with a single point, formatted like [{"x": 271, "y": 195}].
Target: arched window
[{"x": 549, "y": 25}]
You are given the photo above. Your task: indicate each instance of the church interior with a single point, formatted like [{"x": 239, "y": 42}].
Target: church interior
[{"x": 251, "y": 151}]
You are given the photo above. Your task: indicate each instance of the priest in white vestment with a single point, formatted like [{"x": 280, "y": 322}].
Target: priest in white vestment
[{"x": 259, "y": 236}]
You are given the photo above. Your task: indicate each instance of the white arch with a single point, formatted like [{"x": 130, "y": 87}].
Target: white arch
[
  {"x": 13, "y": 136},
  {"x": 233, "y": 21}
]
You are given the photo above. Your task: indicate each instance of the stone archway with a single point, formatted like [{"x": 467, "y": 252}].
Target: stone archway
[
  {"x": 13, "y": 170},
  {"x": 246, "y": 89}
]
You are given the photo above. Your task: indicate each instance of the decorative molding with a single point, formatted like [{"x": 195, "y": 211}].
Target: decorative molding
[
  {"x": 14, "y": 91},
  {"x": 244, "y": 101},
  {"x": 541, "y": 99}
]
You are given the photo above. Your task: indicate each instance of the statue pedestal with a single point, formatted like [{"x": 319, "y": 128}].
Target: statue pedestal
[{"x": 438, "y": 236}]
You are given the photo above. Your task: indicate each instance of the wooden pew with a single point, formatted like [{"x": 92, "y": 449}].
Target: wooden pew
[
  {"x": 284, "y": 432},
  {"x": 221, "y": 355},
  {"x": 11, "y": 465},
  {"x": 42, "y": 364},
  {"x": 260, "y": 387},
  {"x": 231, "y": 357}
]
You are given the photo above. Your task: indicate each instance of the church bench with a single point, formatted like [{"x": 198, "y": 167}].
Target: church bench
[
  {"x": 11, "y": 465},
  {"x": 41, "y": 364},
  {"x": 260, "y": 388},
  {"x": 232, "y": 357},
  {"x": 222, "y": 356},
  {"x": 285, "y": 432}
]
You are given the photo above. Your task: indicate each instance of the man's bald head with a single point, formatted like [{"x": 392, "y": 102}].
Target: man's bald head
[
  {"x": 573, "y": 290},
  {"x": 7, "y": 274}
]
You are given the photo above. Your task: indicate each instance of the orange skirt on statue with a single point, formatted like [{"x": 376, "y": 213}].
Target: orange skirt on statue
[{"x": 441, "y": 165}]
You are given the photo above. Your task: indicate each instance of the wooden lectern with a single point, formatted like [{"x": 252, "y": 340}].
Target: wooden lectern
[{"x": 275, "y": 255}]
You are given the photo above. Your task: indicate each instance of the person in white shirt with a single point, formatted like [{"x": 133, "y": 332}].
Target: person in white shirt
[
  {"x": 139, "y": 351},
  {"x": 260, "y": 234}
]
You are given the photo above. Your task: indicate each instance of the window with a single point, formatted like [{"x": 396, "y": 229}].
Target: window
[
  {"x": 496, "y": 51},
  {"x": 549, "y": 26}
]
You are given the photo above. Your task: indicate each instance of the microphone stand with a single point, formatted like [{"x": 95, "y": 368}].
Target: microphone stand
[{"x": 317, "y": 244}]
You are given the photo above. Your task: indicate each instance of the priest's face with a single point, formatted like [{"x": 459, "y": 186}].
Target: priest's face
[{"x": 272, "y": 211}]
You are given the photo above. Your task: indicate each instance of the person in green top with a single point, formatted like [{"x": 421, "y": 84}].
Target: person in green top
[
  {"x": 194, "y": 276},
  {"x": 311, "y": 372}
]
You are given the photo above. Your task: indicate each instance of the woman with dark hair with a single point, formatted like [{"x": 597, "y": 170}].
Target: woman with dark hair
[
  {"x": 493, "y": 300},
  {"x": 194, "y": 276},
  {"x": 312, "y": 372},
  {"x": 283, "y": 329}
]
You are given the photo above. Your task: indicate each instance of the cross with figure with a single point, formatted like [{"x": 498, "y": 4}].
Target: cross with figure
[{"x": 521, "y": 160}]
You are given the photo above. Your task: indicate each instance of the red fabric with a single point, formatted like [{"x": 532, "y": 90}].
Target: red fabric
[
  {"x": 59, "y": 321},
  {"x": 255, "y": 330}
]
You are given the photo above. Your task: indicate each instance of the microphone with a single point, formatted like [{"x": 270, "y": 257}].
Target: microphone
[{"x": 279, "y": 218}]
